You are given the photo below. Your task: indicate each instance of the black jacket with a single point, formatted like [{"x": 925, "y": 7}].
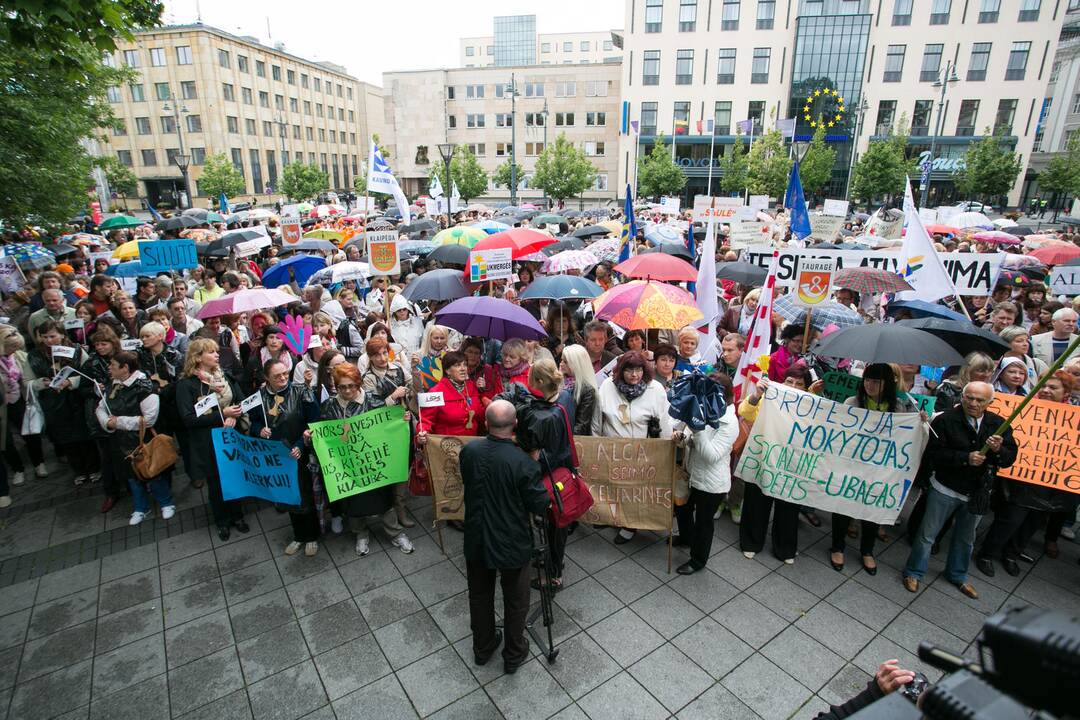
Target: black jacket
[
  {"x": 502, "y": 487},
  {"x": 953, "y": 439},
  {"x": 190, "y": 390}
]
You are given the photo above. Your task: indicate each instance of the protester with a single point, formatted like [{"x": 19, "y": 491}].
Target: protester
[
  {"x": 579, "y": 388},
  {"x": 462, "y": 411},
  {"x": 1049, "y": 346}
]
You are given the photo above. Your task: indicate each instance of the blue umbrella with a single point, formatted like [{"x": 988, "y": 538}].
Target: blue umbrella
[
  {"x": 491, "y": 226},
  {"x": 922, "y": 308},
  {"x": 562, "y": 287},
  {"x": 659, "y": 234},
  {"x": 30, "y": 255},
  {"x": 125, "y": 269},
  {"x": 303, "y": 266}
]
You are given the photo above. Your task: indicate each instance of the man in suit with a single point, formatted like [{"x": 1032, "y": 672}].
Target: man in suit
[
  {"x": 1049, "y": 346},
  {"x": 959, "y": 470}
]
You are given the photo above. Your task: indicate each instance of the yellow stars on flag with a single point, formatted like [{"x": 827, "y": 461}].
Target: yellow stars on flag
[{"x": 824, "y": 93}]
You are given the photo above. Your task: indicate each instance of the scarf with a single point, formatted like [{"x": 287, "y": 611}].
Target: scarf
[
  {"x": 520, "y": 369},
  {"x": 745, "y": 319},
  {"x": 631, "y": 392},
  {"x": 12, "y": 376}
]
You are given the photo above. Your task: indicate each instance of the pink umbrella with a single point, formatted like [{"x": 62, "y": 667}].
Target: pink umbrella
[
  {"x": 996, "y": 237},
  {"x": 569, "y": 260},
  {"x": 245, "y": 301},
  {"x": 606, "y": 249}
]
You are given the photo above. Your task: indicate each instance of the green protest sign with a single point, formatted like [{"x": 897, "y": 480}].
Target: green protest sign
[
  {"x": 924, "y": 402},
  {"x": 839, "y": 386},
  {"x": 363, "y": 452}
]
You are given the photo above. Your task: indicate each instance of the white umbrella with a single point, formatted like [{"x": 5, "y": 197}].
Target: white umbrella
[
  {"x": 569, "y": 260},
  {"x": 1004, "y": 222},
  {"x": 260, "y": 214},
  {"x": 349, "y": 270},
  {"x": 971, "y": 219}
]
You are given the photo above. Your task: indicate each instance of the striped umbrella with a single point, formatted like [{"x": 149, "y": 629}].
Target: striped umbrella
[
  {"x": 826, "y": 313},
  {"x": 569, "y": 260},
  {"x": 642, "y": 305}
]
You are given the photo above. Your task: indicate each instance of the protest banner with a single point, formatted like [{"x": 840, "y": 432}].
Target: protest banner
[
  {"x": 814, "y": 285},
  {"x": 726, "y": 209},
  {"x": 441, "y": 452},
  {"x": 290, "y": 230},
  {"x": 972, "y": 273},
  {"x": 383, "y": 252},
  {"x": 838, "y": 208},
  {"x": 825, "y": 227},
  {"x": 1048, "y": 440},
  {"x": 630, "y": 481},
  {"x": 809, "y": 450},
  {"x": 495, "y": 264},
  {"x": 758, "y": 202},
  {"x": 363, "y": 452},
  {"x": 881, "y": 227},
  {"x": 671, "y": 204},
  {"x": 1065, "y": 280},
  {"x": 255, "y": 467},
  {"x": 11, "y": 277},
  {"x": 164, "y": 256}
]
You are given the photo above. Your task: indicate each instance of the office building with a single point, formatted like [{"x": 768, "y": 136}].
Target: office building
[
  {"x": 515, "y": 42},
  {"x": 201, "y": 91}
]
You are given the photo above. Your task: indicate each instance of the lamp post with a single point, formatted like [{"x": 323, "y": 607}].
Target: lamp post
[
  {"x": 544, "y": 112},
  {"x": 860, "y": 111},
  {"x": 512, "y": 89},
  {"x": 948, "y": 77},
  {"x": 176, "y": 111},
  {"x": 447, "y": 152}
]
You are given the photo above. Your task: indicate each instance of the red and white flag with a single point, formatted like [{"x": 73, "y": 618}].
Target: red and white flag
[{"x": 751, "y": 364}]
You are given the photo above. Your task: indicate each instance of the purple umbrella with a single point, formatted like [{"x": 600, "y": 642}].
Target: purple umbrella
[{"x": 490, "y": 317}]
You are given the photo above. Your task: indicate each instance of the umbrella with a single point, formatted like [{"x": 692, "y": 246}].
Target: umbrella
[
  {"x": 490, "y": 226},
  {"x": 561, "y": 287},
  {"x": 590, "y": 230},
  {"x": 569, "y": 260},
  {"x": 641, "y": 305},
  {"x": 596, "y": 212},
  {"x": 961, "y": 335},
  {"x": 1021, "y": 231},
  {"x": 460, "y": 235},
  {"x": 61, "y": 249},
  {"x": 393, "y": 213},
  {"x": 264, "y": 214},
  {"x": 549, "y": 219},
  {"x": 508, "y": 210},
  {"x": 521, "y": 241},
  {"x": 324, "y": 234},
  {"x": 860, "y": 216},
  {"x": 325, "y": 211},
  {"x": 658, "y": 266},
  {"x": 614, "y": 226},
  {"x": 443, "y": 284},
  {"x": 888, "y": 343},
  {"x": 923, "y": 309},
  {"x": 30, "y": 255},
  {"x": 672, "y": 249},
  {"x": 203, "y": 215},
  {"x": 997, "y": 237},
  {"x": 84, "y": 239},
  {"x": 1012, "y": 260},
  {"x": 237, "y": 217},
  {"x": 942, "y": 230},
  {"x": 606, "y": 249},
  {"x": 1056, "y": 254},
  {"x": 1004, "y": 222},
  {"x": 488, "y": 317},
  {"x": 529, "y": 206},
  {"x": 310, "y": 245},
  {"x": 178, "y": 222},
  {"x": 824, "y": 314},
  {"x": 742, "y": 272},
  {"x": 128, "y": 250},
  {"x": 572, "y": 214},
  {"x": 125, "y": 269},
  {"x": 244, "y": 301},
  {"x": 450, "y": 255},
  {"x": 1072, "y": 263},
  {"x": 1013, "y": 278},
  {"x": 870, "y": 280},
  {"x": 415, "y": 247},
  {"x": 478, "y": 207},
  {"x": 418, "y": 225},
  {"x": 199, "y": 234},
  {"x": 326, "y": 275},
  {"x": 303, "y": 266},
  {"x": 119, "y": 222},
  {"x": 971, "y": 220},
  {"x": 220, "y": 247},
  {"x": 568, "y": 243},
  {"x": 660, "y": 234}
]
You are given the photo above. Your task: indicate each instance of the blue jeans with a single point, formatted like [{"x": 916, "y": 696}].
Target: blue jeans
[
  {"x": 939, "y": 507},
  {"x": 159, "y": 486}
]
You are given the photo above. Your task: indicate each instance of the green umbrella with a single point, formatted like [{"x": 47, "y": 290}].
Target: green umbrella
[
  {"x": 119, "y": 222},
  {"x": 548, "y": 219}
]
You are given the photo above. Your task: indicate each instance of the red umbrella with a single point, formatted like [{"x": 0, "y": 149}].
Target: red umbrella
[
  {"x": 658, "y": 266},
  {"x": 522, "y": 241},
  {"x": 942, "y": 230},
  {"x": 1055, "y": 254}
]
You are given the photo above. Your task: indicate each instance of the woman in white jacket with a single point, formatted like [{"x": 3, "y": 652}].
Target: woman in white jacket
[
  {"x": 631, "y": 404},
  {"x": 710, "y": 477},
  {"x": 405, "y": 326}
]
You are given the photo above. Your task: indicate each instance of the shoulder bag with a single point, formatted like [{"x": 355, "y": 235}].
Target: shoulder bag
[
  {"x": 570, "y": 496},
  {"x": 150, "y": 459}
]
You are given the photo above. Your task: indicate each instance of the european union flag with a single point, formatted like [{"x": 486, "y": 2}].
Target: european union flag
[
  {"x": 795, "y": 203},
  {"x": 629, "y": 228}
]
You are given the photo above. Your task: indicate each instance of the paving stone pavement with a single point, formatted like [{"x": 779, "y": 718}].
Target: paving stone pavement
[{"x": 166, "y": 621}]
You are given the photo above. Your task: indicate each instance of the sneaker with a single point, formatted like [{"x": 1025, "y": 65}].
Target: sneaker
[
  {"x": 362, "y": 547},
  {"x": 168, "y": 511},
  {"x": 719, "y": 510},
  {"x": 336, "y": 525},
  {"x": 18, "y": 478},
  {"x": 402, "y": 541},
  {"x": 93, "y": 477},
  {"x": 137, "y": 517},
  {"x": 736, "y": 514},
  {"x": 310, "y": 549},
  {"x": 78, "y": 481},
  {"x": 292, "y": 548},
  {"x": 749, "y": 555},
  {"x": 789, "y": 561},
  {"x": 1069, "y": 533},
  {"x": 40, "y": 471},
  {"x": 5, "y": 501}
]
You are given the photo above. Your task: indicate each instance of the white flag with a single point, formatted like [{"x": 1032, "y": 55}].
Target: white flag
[
  {"x": 705, "y": 288},
  {"x": 63, "y": 351},
  {"x": 455, "y": 196},
  {"x": 432, "y": 399},
  {"x": 435, "y": 187},
  {"x": 251, "y": 402},
  {"x": 922, "y": 265},
  {"x": 381, "y": 180},
  {"x": 205, "y": 404}
]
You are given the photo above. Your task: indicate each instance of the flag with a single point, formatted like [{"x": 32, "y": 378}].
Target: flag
[
  {"x": 922, "y": 265},
  {"x": 624, "y": 125},
  {"x": 795, "y": 202},
  {"x": 381, "y": 180},
  {"x": 455, "y": 196},
  {"x": 745, "y": 126},
  {"x": 786, "y": 127},
  {"x": 758, "y": 345},
  {"x": 705, "y": 291},
  {"x": 435, "y": 187},
  {"x": 154, "y": 213},
  {"x": 636, "y": 126},
  {"x": 223, "y": 204},
  {"x": 629, "y": 228}
]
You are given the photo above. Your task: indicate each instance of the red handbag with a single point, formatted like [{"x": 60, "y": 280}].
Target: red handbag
[
  {"x": 574, "y": 498},
  {"x": 419, "y": 478}
]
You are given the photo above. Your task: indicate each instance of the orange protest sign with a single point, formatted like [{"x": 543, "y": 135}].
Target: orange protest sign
[{"x": 1048, "y": 437}]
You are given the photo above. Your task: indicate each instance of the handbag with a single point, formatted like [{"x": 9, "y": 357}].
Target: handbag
[
  {"x": 570, "y": 496},
  {"x": 33, "y": 418},
  {"x": 150, "y": 459},
  {"x": 419, "y": 477}
]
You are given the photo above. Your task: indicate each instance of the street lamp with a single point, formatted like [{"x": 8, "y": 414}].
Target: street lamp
[
  {"x": 512, "y": 89},
  {"x": 176, "y": 111},
  {"x": 447, "y": 152},
  {"x": 544, "y": 112},
  {"x": 281, "y": 131},
  {"x": 948, "y": 77},
  {"x": 860, "y": 111}
]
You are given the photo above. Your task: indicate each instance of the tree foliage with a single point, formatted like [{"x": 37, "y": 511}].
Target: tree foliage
[
  {"x": 883, "y": 169},
  {"x": 734, "y": 167},
  {"x": 817, "y": 165},
  {"x": 502, "y": 175},
  {"x": 562, "y": 170},
  {"x": 990, "y": 169},
  {"x": 220, "y": 176},
  {"x": 658, "y": 174},
  {"x": 301, "y": 182},
  {"x": 122, "y": 180},
  {"x": 466, "y": 171},
  {"x": 1062, "y": 173},
  {"x": 768, "y": 165}
]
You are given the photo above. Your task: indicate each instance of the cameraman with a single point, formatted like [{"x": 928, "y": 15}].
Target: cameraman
[{"x": 889, "y": 677}]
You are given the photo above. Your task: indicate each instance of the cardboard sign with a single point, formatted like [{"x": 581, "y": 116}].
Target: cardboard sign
[
  {"x": 11, "y": 277},
  {"x": 205, "y": 404},
  {"x": 758, "y": 202},
  {"x": 671, "y": 204},
  {"x": 63, "y": 351},
  {"x": 973, "y": 273},
  {"x": 726, "y": 209},
  {"x": 432, "y": 399},
  {"x": 825, "y": 228},
  {"x": 630, "y": 480},
  {"x": 1065, "y": 280},
  {"x": 814, "y": 283},
  {"x": 290, "y": 230},
  {"x": 164, "y": 256},
  {"x": 382, "y": 250},
  {"x": 809, "y": 450},
  {"x": 255, "y": 467},
  {"x": 1048, "y": 437},
  {"x": 251, "y": 402},
  {"x": 441, "y": 453},
  {"x": 744, "y": 233},
  {"x": 886, "y": 229},
  {"x": 363, "y": 452},
  {"x": 485, "y": 265},
  {"x": 837, "y": 208}
]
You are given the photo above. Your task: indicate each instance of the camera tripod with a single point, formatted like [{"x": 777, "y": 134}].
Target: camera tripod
[{"x": 541, "y": 560}]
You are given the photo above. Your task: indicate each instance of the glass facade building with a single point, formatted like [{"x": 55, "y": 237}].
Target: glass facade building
[{"x": 515, "y": 40}]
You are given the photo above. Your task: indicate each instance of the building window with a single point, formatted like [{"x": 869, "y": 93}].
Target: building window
[
  {"x": 568, "y": 46},
  {"x": 730, "y": 15},
  {"x": 931, "y": 63},
  {"x": 650, "y": 68},
  {"x": 886, "y": 115},
  {"x": 264, "y": 100},
  {"x": 681, "y": 118},
  {"x": 124, "y": 156},
  {"x": 275, "y": 72},
  {"x": 322, "y": 134},
  {"x": 120, "y": 129},
  {"x": 170, "y": 155},
  {"x": 307, "y": 107},
  {"x": 232, "y": 123},
  {"x": 725, "y": 71},
  {"x": 260, "y": 69},
  {"x": 149, "y": 158},
  {"x": 722, "y": 117},
  {"x": 187, "y": 90},
  {"x": 534, "y": 148},
  {"x": 759, "y": 71},
  {"x": 756, "y": 112},
  {"x": 534, "y": 89},
  {"x": 648, "y": 118},
  {"x": 1029, "y": 10},
  {"x": 279, "y": 102},
  {"x": 290, "y": 77},
  {"x": 161, "y": 91},
  {"x": 596, "y": 118},
  {"x": 194, "y": 123},
  {"x": 318, "y": 84},
  {"x": 137, "y": 92},
  {"x": 142, "y": 125},
  {"x": 242, "y": 63},
  {"x": 309, "y": 133},
  {"x": 965, "y": 122},
  {"x": 198, "y": 156},
  {"x": 227, "y": 92},
  {"x": 989, "y": 10},
  {"x": 568, "y": 89},
  {"x": 183, "y": 55},
  {"x": 474, "y": 92},
  {"x": 504, "y": 120},
  {"x": 268, "y": 128},
  {"x": 1018, "y": 59},
  {"x": 470, "y": 51},
  {"x": 249, "y": 126},
  {"x": 1006, "y": 113},
  {"x": 502, "y": 149},
  {"x": 113, "y": 94},
  {"x": 920, "y": 119},
  {"x": 608, "y": 46},
  {"x": 594, "y": 149},
  {"x": 545, "y": 47},
  {"x": 305, "y": 81},
  {"x": 564, "y": 119},
  {"x": 474, "y": 121},
  {"x": 601, "y": 182},
  {"x": 894, "y": 63},
  {"x": 294, "y": 105},
  {"x": 131, "y": 58},
  {"x": 157, "y": 57},
  {"x": 246, "y": 96},
  {"x": 939, "y": 12},
  {"x": 584, "y": 46},
  {"x": 901, "y": 12},
  {"x": 687, "y": 15},
  {"x": 490, "y": 49},
  {"x": 534, "y": 119},
  {"x": 980, "y": 59},
  {"x": 684, "y": 67},
  {"x": 596, "y": 88},
  {"x": 478, "y": 149},
  {"x": 168, "y": 124},
  {"x": 296, "y": 132},
  {"x": 766, "y": 14},
  {"x": 223, "y": 58}
]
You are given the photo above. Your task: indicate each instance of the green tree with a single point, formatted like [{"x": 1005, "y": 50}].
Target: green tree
[
  {"x": 220, "y": 176},
  {"x": 768, "y": 165},
  {"x": 990, "y": 169},
  {"x": 1062, "y": 174},
  {"x": 734, "y": 167},
  {"x": 121, "y": 178},
  {"x": 882, "y": 170},
  {"x": 467, "y": 172},
  {"x": 817, "y": 164},
  {"x": 301, "y": 182},
  {"x": 657, "y": 173},
  {"x": 563, "y": 171},
  {"x": 502, "y": 175}
]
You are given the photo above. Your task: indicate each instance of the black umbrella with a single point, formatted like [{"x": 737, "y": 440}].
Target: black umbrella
[
  {"x": 675, "y": 249},
  {"x": 61, "y": 249},
  {"x": 888, "y": 343},
  {"x": 741, "y": 272},
  {"x": 561, "y": 287},
  {"x": 571, "y": 214},
  {"x": 1021, "y": 231},
  {"x": 424, "y": 224},
  {"x": 590, "y": 230},
  {"x": 450, "y": 255},
  {"x": 443, "y": 284},
  {"x": 220, "y": 247},
  {"x": 177, "y": 222},
  {"x": 570, "y": 243},
  {"x": 961, "y": 335}
]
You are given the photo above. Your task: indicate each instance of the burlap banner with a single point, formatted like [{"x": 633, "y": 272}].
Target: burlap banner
[{"x": 441, "y": 453}]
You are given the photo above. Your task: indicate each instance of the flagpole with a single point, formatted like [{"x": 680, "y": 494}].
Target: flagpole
[
  {"x": 746, "y": 199},
  {"x": 712, "y": 157}
]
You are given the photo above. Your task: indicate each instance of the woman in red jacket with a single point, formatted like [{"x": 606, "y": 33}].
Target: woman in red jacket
[
  {"x": 462, "y": 412},
  {"x": 513, "y": 367}
]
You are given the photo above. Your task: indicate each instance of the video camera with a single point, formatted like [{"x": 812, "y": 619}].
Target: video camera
[{"x": 1029, "y": 667}]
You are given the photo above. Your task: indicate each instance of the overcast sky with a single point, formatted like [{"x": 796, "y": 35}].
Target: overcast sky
[{"x": 369, "y": 37}]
